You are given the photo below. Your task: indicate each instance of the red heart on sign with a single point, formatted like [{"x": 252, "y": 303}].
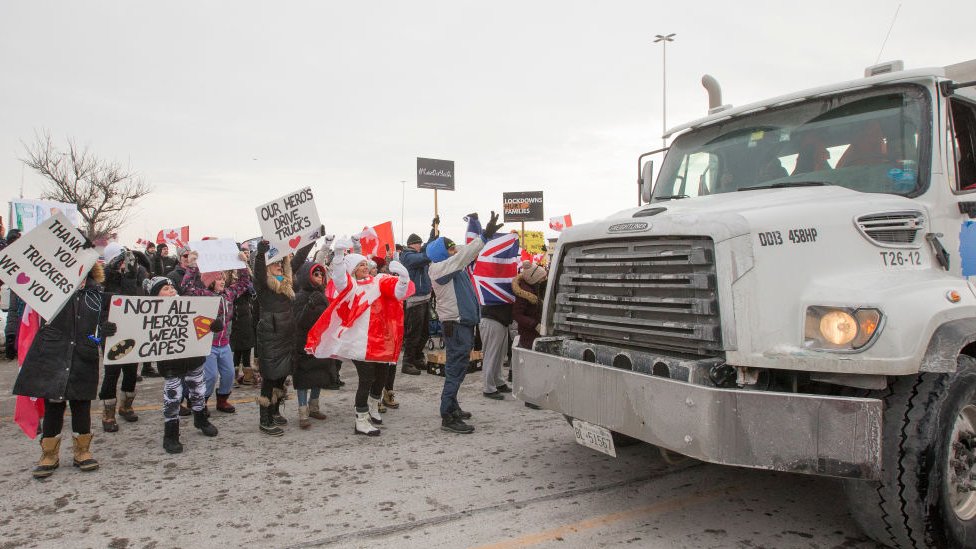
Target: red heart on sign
[
  {"x": 295, "y": 241},
  {"x": 117, "y": 302},
  {"x": 22, "y": 278}
]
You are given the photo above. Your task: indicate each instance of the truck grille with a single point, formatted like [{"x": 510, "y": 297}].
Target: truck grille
[{"x": 654, "y": 293}]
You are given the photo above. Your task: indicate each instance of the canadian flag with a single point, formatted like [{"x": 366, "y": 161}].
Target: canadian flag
[
  {"x": 560, "y": 222},
  {"x": 178, "y": 237},
  {"x": 27, "y": 410}
]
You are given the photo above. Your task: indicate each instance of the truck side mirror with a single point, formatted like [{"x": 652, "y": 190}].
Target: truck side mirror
[{"x": 647, "y": 180}]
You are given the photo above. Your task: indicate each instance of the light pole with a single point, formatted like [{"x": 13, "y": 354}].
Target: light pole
[
  {"x": 403, "y": 198},
  {"x": 664, "y": 39}
]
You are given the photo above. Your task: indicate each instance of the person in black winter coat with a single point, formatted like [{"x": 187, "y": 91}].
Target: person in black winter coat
[
  {"x": 276, "y": 332},
  {"x": 162, "y": 262},
  {"x": 311, "y": 374},
  {"x": 61, "y": 367},
  {"x": 16, "y": 306},
  {"x": 124, "y": 275},
  {"x": 243, "y": 331}
]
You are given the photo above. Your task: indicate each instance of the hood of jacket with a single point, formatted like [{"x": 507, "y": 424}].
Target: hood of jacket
[
  {"x": 286, "y": 286},
  {"x": 303, "y": 279}
]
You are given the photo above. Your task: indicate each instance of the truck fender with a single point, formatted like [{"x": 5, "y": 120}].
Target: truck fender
[{"x": 947, "y": 343}]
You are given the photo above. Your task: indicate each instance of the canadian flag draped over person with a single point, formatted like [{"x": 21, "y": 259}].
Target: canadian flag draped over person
[{"x": 364, "y": 321}]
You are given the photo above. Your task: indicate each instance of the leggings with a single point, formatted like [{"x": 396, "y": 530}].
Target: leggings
[
  {"x": 173, "y": 393},
  {"x": 242, "y": 358},
  {"x": 54, "y": 417},
  {"x": 129, "y": 372},
  {"x": 390, "y": 376},
  {"x": 372, "y": 378}
]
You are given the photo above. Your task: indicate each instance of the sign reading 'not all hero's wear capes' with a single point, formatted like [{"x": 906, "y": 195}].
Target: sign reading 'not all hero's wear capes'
[
  {"x": 522, "y": 206},
  {"x": 160, "y": 328},
  {"x": 47, "y": 265},
  {"x": 289, "y": 222},
  {"x": 435, "y": 174}
]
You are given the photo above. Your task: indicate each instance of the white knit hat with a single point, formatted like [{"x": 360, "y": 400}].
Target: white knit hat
[{"x": 352, "y": 261}]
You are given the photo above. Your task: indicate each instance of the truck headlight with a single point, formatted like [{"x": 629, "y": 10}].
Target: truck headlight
[{"x": 840, "y": 328}]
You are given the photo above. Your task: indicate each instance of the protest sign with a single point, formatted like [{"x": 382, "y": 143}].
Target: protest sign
[
  {"x": 435, "y": 174},
  {"x": 26, "y": 214},
  {"x": 220, "y": 254},
  {"x": 288, "y": 223},
  {"x": 160, "y": 328},
  {"x": 522, "y": 206},
  {"x": 45, "y": 266},
  {"x": 533, "y": 242}
]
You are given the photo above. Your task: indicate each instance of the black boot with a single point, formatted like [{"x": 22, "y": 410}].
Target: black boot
[
  {"x": 201, "y": 422},
  {"x": 148, "y": 370},
  {"x": 276, "y": 416},
  {"x": 267, "y": 424},
  {"x": 171, "y": 437}
]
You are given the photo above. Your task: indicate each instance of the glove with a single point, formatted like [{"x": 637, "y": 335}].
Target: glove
[
  {"x": 398, "y": 269},
  {"x": 436, "y": 221},
  {"x": 10, "y": 350},
  {"x": 342, "y": 245},
  {"x": 216, "y": 326},
  {"x": 263, "y": 247},
  {"x": 492, "y": 228},
  {"x": 109, "y": 329}
]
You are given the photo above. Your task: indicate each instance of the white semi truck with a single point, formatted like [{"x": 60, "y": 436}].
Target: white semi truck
[{"x": 794, "y": 293}]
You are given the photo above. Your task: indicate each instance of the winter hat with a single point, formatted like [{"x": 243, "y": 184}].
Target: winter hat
[
  {"x": 156, "y": 284},
  {"x": 112, "y": 251},
  {"x": 182, "y": 250},
  {"x": 414, "y": 238},
  {"x": 352, "y": 261},
  {"x": 210, "y": 278},
  {"x": 437, "y": 250},
  {"x": 534, "y": 274},
  {"x": 161, "y": 246},
  {"x": 379, "y": 262}
]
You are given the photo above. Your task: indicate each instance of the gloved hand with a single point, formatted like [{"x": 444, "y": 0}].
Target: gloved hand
[
  {"x": 342, "y": 245},
  {"x": 321, "y": 232},
  {"x": 109, "y": 329},
  {"x": 10, "y": 350},
  {"x": 263, "y": 247},
  {"x": 192, "y": 259},
  {"x": 329, "y": 239},
  {"x": 216, "y": 326},
  {"x": 436, "y": 221},
  {"x": 398, "y": 269},
  {"x": 492, "y": 228},
  {"x": 356, "y": 246}
]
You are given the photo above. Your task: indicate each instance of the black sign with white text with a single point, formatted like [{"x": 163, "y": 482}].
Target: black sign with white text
[
  {"x": 435, "y": 174},
  {"x": 522, "y": 206}
]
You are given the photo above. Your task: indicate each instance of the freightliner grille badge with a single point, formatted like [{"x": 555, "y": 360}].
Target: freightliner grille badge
[{"x": 629, "y": 227}]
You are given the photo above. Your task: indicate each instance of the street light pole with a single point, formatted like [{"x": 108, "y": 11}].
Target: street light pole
[
  {"x": 403, "y": 198},
  {"x": 664, "y": 39}
]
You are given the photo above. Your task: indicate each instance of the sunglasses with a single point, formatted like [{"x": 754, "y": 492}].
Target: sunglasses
[{"x": 318, "y": 274}]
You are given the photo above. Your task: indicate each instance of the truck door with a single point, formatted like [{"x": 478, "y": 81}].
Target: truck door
[{"x": 961, "y": 170}]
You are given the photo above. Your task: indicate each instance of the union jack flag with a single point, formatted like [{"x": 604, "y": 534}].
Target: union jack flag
[{"x": 496, "y": 266}]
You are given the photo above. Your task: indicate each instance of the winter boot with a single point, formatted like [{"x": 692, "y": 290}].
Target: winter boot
[
  {"x": 247, "y": 376},
  {"x": 409, "y": 369},
  {"x": 374, "y": 411},
  {"x": 148, "y": 371},
  {"x": 381, "y": 407},
  {"x": 268, "y": 426},
  {"x": 171, "y": 437},
  {"x": 125, "y": 408},
  {"x": 83, "y": 458},
  {"x": 184, "y": 409},
  {"x": 201, "y": 422},
  {"x": 223, "y": 405},
  {"x": 389, "y": 400},
  {"x": 363, "y": 426},
  {"x": 277, "y": 396},
  {"x": 303, "y": 421},
  {"x": 50, "y": 451},
  {"x": 206, "y": 406},
  {"x": 109, "y": 425},
  {"x": 313, "y": 409}
]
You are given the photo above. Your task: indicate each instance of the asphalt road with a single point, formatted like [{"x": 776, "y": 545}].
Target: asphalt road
[{"x": 519, "y": 481}]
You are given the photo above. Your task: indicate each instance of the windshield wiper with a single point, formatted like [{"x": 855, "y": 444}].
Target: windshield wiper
[
  {"x": 787, "y": 184},
  {"x": 671, "y": 197}
]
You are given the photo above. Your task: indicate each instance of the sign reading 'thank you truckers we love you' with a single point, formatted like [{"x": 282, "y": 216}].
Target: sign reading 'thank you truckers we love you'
[
  {"x": 289, "y": 222},
  {"x": 160, "y": 328},
  {"x": 47, "y": 265}
]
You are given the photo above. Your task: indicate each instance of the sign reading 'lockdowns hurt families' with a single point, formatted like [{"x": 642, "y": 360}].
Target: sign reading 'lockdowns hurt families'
[
  {"x": 289, "y": 222},
  {"x": 47, "y": 265},
  {"x": 522, "y": 206},
  {"x": 160, "y": 328}
]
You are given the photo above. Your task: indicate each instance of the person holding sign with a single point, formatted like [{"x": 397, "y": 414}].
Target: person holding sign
[
  {"x": 177, "y": 373},
  {"x": 276, "y": 331},
  {"x": 61, "y": 367},
  {"x": 221, "y": 359}
]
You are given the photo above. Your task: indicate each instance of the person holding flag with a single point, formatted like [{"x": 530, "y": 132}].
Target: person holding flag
[{"x": 457, "y": 309}]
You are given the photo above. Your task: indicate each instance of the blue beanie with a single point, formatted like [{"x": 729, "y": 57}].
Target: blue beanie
[{"x": 437, "y": 250}]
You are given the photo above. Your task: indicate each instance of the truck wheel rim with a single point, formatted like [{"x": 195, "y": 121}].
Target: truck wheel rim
[{"x": 962, "y": 464}]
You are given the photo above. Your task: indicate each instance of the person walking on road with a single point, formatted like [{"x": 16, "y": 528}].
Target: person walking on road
[{"x": 458, "y": 311}]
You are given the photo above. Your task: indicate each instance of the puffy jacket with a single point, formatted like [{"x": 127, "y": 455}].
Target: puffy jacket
[
  {"x": 310, "y": 302},
  {"x": 242, "y": 333},
  {"x": 275, "y": 348},
  {"x": 417, "y": 264},
  {"x": 527, "y": 311},
  {"x": 453, "y": 289}
]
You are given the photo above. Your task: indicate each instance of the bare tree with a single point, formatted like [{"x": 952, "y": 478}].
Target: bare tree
[{"x": 104, "y": 191}]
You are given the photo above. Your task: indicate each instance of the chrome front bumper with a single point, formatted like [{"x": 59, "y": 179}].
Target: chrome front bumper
[{"x": 813, "y": 434}]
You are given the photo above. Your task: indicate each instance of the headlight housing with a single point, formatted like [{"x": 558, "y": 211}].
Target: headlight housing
[{"x": 841, "y": 328}]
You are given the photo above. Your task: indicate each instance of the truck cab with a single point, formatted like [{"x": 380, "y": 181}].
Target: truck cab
[{"x": 794, "y": 295}]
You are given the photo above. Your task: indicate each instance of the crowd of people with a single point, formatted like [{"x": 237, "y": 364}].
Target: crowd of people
[{"x": 294, "y": 319}]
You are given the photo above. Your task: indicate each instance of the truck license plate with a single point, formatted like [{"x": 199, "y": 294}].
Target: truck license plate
[{"x": 594, "y": 436}]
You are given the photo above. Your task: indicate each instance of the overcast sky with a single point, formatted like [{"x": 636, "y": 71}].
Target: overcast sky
[{"x": 222, "y": 106}]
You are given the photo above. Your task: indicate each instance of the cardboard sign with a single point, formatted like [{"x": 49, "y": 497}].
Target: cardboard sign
[
  {"x": 288, "y": 223},
  {"x": 160, "y": 328},
  {"x": 435, "y": 174},
  {"x": 26, "y": 214},
  {"x": 45, "y": 266},
  {"x": 522, "y": 206},
  {"x": 220, "y": 254}
]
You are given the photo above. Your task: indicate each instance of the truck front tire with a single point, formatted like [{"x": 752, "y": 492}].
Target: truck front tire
[{"x": 927, "y": 493}]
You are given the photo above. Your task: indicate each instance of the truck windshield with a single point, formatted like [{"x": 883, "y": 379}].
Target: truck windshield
[{"x": 868, "y": 141}]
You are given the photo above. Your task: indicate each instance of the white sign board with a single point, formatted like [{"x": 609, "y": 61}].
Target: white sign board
[
  {"x": 45, "y": 266},
  {"x": 160, "y": 328},
  {"x": 25, "y": 214},
  {"x": 217, "y": 255},
  {"x": 288, "y": 223}
]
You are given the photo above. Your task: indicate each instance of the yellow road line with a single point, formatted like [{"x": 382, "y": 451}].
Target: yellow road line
[
  {"x": 561, "y": 532},
  {"x": 145, "y": 408}
]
